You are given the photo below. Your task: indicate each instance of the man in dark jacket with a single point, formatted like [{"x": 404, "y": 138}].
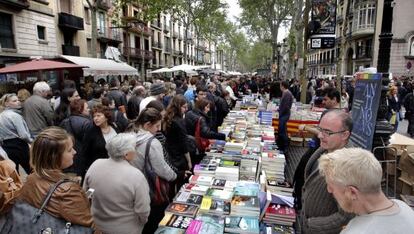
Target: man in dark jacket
[
  {"x": 117, "y": 95},
  {"x": 139, "y": 94},
  {"x": 284, "y": 115}
]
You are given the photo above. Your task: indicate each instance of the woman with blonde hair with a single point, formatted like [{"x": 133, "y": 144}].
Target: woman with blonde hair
[
  {"x": 52, "y": 152},
  {"x": 394, "y": 106},
  {"x": 14, "y": 133}
]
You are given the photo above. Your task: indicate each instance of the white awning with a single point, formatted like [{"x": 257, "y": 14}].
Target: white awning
[{"x": 101, "y": 67}]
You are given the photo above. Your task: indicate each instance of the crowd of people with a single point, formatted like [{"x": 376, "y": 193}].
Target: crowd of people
[{"x": 124, "y": 150}]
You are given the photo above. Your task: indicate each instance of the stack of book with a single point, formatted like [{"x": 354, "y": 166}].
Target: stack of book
[
  {"x": 266, "y": 117},
  {"x": 175, "y": 221},
  {"x": 245, "y": 206},
  {"x": 280, "y": 187},
  {"x": 224, "y": 195},
  {"x": 181, "y": 209},
  {"x": 274, "y": 165},
  {"x": 279, "y": 214},
  {"x": 201, "y": 180},
  {"x": 186, "y": 197},
  {"x": 248, "y": 169},
  {"x": 169, "y": 230},
  {"x": 207, "y": 170},
  {"x": 195, "y": 188},
  {"x": 232, "y": 147},
  {"x": 227, "y": 173},
  {"x": 217, "y": 145}
]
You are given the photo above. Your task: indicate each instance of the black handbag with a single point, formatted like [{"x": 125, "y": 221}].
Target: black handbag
[{"x": 24, "y": 218}]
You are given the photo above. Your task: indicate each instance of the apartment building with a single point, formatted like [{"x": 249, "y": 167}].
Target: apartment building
[
  {"x": 27, "y": 29},
  {"x": 361, "y": 19}
]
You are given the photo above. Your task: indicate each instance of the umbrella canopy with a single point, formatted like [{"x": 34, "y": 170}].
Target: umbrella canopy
[
  {"x": 162, "y": 70},
  {"x": 183, "y": 67},
  {"x": 37, "y": 65}
]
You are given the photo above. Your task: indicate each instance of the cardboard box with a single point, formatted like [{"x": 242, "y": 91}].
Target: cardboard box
[{"x": 407, "y": 187}]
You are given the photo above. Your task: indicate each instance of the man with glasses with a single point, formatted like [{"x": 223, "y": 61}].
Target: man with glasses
[{"x": 320, "y": 213}]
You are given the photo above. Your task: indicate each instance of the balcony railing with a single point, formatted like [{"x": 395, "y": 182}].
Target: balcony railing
[
  {"x": 175, "y": 34},
  {"x": 156, "y": 24},
  {"x": 109, "y": 34},
  {"x": 148, "y": 55},
  {"x": 133, "y": 52},
  {"x": 157, "y": 44},
  {"x": 17, "y": 4},
  {"x": 70, "y": 21},
  {"x": 70, "y": 50},
  {"x": 167, "y": 49},
  {"x": 166, "y": 27},
  {"x": 139, "y": 28},
  {"x": 180, "y": 37}
]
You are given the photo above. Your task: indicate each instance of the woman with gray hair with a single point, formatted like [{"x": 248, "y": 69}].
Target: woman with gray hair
[
  {"x": 353, "y": 176},
  {"x": 120, "y": 201}
]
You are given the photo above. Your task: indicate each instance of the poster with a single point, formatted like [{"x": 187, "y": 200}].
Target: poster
[
  {"x": 324, "y": 14},
  {"x": 367, "y": 95}
]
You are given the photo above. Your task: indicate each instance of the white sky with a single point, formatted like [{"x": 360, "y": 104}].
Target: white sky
[{"x": 235, "y": 11}]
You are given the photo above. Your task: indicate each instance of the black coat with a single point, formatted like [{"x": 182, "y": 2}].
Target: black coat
[
  {"x": 133, "y": 107},
  {"x": 176, "y": 143},
  {"x": 93, "y": 147},
  {"x": 191, "y": 119},
  {"x": 78, "y": 126},
  {"x": 118, "y": 96}
]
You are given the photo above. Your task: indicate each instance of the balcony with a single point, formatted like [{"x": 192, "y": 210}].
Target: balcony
[
  {"x": 156, "y": 24},
  {"x": 16, "y": 4},
  {"x": 133, "y": 52},
  {"x": 166, "y": 27},
  {"x": 180, "y": 37},
  {"x": 363, "y": 31},
  {"x": 70, "y": 50},
  {"x": 167, "y": 50},
  {"x": 71, "y": 22},
  {"x": 104, "y": 4},
  {"x": 148, "y": 55},
  {"x": 175, "y": 34},
  {"x": 157, "y": 45},
  {"x": 110, "y": 35},
  {"x": 140, "y": 28},
  {"x": 339, "y": 19},
  {"x": 177, "y": 52}
]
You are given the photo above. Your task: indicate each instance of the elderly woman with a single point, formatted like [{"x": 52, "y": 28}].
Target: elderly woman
[
  {"x": 354, "y": 176},
  {"x": 52, "y": 151},
  {"x": 124, "y": 206},
  {"x": 14, "y": 132}
]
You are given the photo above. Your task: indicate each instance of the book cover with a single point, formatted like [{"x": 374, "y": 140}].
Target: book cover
[
  {"x": 244, "y": 202},
  {"x": 201, "y": 227},
  {"x": 218, "y": 183},
  {"x": 246, "y": 191},
  {"x": 187, "y": 197},
  {"x": 175, "y": 221},
  {"x": 280, "y": 229},
  {"x": 242, "y": 225},
  {"x": 182, "y": 209},
  {"x": 281, "y": 210},
  {"x": 220, "y": 194}
]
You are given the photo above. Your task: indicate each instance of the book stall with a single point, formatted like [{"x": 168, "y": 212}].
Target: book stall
[{"x": 238, "y": 187}]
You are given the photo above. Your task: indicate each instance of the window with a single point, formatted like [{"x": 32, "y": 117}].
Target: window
[
  {"x": 89, "y": 45},
  {"x": 101, "y": 23},
  {"x": 6, "y": 31},
  {"x": 411, "y": 46},
  {"x": 86, "y": 15},
  {"x": 41, "y": 32},
  {"x": 366, "y": 15},
  {"x": 65, "y": 6}
]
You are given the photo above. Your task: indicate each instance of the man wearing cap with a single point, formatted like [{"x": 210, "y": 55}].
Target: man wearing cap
[{"x": 157, "y": 92}]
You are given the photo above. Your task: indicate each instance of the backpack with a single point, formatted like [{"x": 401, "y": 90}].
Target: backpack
[
  {"x": 10, "y": 185},
  {"x": 24, "y": 218}
]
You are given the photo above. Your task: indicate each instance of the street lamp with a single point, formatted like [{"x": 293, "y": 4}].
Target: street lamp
[{"x": 278, "y": 59}]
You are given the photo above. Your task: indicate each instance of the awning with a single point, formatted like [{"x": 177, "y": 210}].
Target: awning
[
  {"x": 101, "y": 67},
  {"x": 38, "y": 65}
]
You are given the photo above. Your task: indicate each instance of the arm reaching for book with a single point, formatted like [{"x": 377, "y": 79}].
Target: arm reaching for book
[{"x": 329, "y": 224}]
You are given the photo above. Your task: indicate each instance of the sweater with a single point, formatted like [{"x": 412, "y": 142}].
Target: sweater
[
  {"x": 12, "y": 125},
  {"x": 121, "y": 202},
  {"x": 320, "y": 212},
  {"x": 156, "y": 155},
  {"x": 38, "y": 113}
]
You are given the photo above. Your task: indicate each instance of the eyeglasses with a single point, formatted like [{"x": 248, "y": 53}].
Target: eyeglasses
[{"x": 327, "y": 132}]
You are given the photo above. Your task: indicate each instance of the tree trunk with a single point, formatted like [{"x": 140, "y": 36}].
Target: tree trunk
[
  {"x": 342, "y": 45},
  {"x": 302, "y": 47}
]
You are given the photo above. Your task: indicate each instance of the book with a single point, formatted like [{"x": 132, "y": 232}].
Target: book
[
  {"x": 175, "y": 221},
  {"x": 201, "y": 180},
  {"x": 246, "y": 206},
  {"x": 218, "y": 183},
  {"x": 278, "y": 210},
  {"x": 169, "y": 230},
  {"x": 220, "y": 194},
  {"x": 280, "y": 229},
  {"x": 214, "y": 206},
  {"x": 186, "y": 197},
  {"x": 242, "y": 225},
  {"x": 182, "y": 209},
  {"x": 195, "y": 188}
]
